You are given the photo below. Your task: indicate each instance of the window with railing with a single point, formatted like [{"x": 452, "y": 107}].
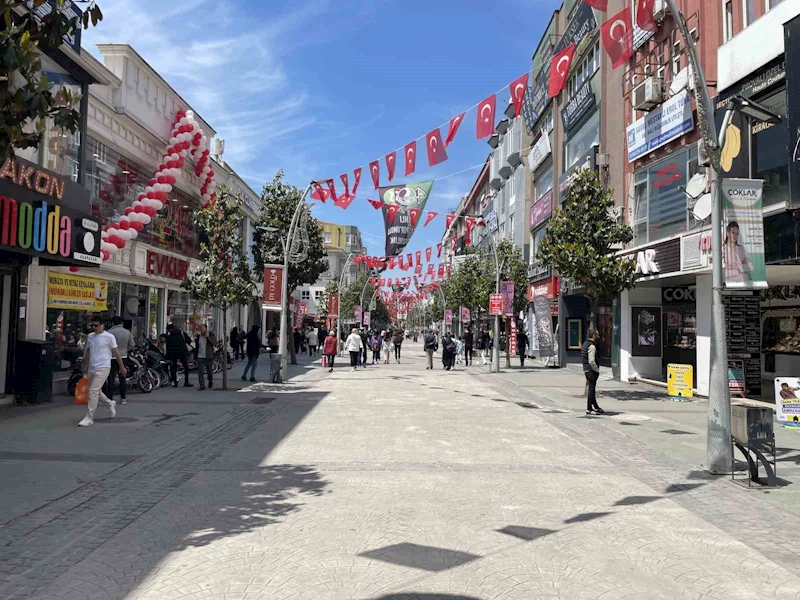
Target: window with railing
[{"x": 585, "y": 69}]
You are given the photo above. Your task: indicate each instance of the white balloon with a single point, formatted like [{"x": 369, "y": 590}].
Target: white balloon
[
  {"x": 183, "y": 121},
  {"x": 174, "y": 156},
  {"x": 149, "y": 189},
  {"x": 123, "y": 234},
  {"x": 173, "y": 140},
  {"x": 183, "y": 153},
  {"x": 158, "y": 204},
  {"x": 145, "y": 218},
  {"x": 103, "y": 235},
  {"x": 112, "y": 231},
  {"x": 190, "y": 114},
  {"x": 134, "y": 233},
  {"x": 112, "y": 249}
]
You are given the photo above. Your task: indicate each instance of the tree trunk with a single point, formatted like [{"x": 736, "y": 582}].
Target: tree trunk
[
  {"x": 593, "y": 302},
  {"x": 224, "y": 349}
]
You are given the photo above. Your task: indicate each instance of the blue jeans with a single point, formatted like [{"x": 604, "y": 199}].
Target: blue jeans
[{"x": 252, "y": 362}]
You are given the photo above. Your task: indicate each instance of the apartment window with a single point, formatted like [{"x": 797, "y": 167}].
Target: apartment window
[
  {"x": 305, "y": 295},
  {"x": 584, "y": 71},
  {"x": 544, "y": 183},
  {"x": 318, "y": 295},
  {"x": 327, "y": 237},
  {"x": 511, "y": 226},
  {"x": 537, "y": 236},
  {"x": 660, "y": 58},
  {"x": 676, "y": 56},
  {"x": 748, "y": 12},
  {"x": 728, "y": 20},
  {"x": 773, "y": 3},
  {"x": 581, "y": 143}
]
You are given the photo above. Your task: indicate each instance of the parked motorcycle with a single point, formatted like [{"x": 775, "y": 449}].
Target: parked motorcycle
[
  {"x": 158, "y": 363},
  {"x": 138, "y": 375}
]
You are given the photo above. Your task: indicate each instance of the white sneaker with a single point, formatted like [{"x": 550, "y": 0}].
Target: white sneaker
[
  {"x": 86, "y": 422},
  {"x": 113, "y": 408}
]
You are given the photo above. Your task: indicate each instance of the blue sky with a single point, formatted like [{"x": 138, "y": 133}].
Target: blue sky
[{"x": 319, "y": 87}]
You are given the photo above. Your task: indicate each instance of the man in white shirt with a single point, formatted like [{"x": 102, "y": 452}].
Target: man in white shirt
[
  {"x": 204, "y": 353},
  {"x": 100, "y": 347}
]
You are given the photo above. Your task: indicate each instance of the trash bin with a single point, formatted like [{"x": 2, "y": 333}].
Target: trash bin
[{"x": 34, "y": 363}]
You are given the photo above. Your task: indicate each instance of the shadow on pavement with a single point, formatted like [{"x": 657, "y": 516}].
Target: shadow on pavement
[
  {"x": 416, "y": 596},
  {"x": 426, "y": 558},
  {"x": 632, "y": 396}
]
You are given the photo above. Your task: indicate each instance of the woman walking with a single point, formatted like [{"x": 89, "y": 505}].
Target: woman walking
[
  {"x": 313, "y": 341},
  {"x": 254, "y": 346},
  {"x": 375, "y": 345},
  {"x": 398, "y": 343},
  {"x": 234, "y": 340},
  {"x": 330, "y": 348},
  {"x": 353, "y": 346},
  {"x": 387, "y": 346}
]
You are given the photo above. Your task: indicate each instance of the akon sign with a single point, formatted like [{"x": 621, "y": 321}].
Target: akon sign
[
  {"x": 170, "y": 267},
  {"x": 273, "y": 287}
]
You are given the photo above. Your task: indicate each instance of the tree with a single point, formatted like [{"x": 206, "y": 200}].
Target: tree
[
  {"x": 351, "y": 297},
  {"x": 225, "y": 279},
  {"x": 27, "y": 100},
  {"x": 582, "y": 241},
  {"x": 279, "y": 201}
]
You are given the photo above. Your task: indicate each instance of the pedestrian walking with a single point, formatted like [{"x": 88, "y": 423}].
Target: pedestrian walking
[
  {"x": 388, "y": 344},
  {"x": 430, "y": 346},
  {"x": 364, "y": 347},
  {"x": 486, "y": 346},
  {"x": 469, "y": 342},
  {"x": 100, "y": 347},
  {"x": 592, "y": 372},
  {"x": 448, "y": 351},
  {"x": 272, "y": 340},
  {"x": 204, "y": 343},
  {"x": 254, "y": 346},
  {"x": 375, "y": 344},
  {"x": 298, "y": 341},
  {"x": 234, "y": 341},
  {"x": 522, "y": 346},
  {"x": 353, "y": 346},
  {"x": 176, "y": 351},
  {"x": 460, "y": 350},
  {"x": 330, "y": 348},
  {"x": 124, "y": 345},
  {"x": 398, "y": 343},
  {"x": 313, "y": 341}
]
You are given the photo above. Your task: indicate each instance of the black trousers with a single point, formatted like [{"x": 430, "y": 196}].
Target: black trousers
[
  {"x": 522, "y": 359},
  {"x": 173, "y": 367},
  {"x": 468, "y": 355},
  {"x": 354, "y": 355},
  {"x": 591, "y": 398},
  {"x": 116, "y": 374},
  {"x": 331, "y": 359},
  {"x": 397, "y": 351}
]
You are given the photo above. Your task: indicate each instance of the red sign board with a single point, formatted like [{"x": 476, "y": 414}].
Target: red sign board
[
  {"x": 547, "y": 288},
  {"x": 163, "y": 265},
  {"x": 496, "y": 304},
  {"x": 333, "y": 305},
  {"x": 273, "y": 287}
]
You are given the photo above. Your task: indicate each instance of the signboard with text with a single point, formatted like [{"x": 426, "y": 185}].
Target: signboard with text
[
  {"x": 72, "y": 292},
  {"x": 273, "y": 287},
  {"x": 333, "y": 305},
  {"x": 660, "y": 126},
  {"x": 496, "y": 305},
  {"x": 787, "y": 402}
]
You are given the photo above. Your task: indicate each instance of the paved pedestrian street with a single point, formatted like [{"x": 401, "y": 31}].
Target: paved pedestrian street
[{"x": 392, "y": 482}]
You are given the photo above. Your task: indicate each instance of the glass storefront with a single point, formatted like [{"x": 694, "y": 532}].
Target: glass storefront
[
  {"x": 582, "y": 141},
  {"x": 769, "y": 151},
  {"x": 187, "y": 312}
]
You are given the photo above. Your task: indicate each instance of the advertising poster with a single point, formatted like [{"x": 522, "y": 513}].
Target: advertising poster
[
  {"x": 736, "y": 382},
  {"x": 367, "y": 317},
  {"x": 397, "y": 221},
  {"x": 507, "y": 291},
  {"x": 660, "y": 126},
  {"x": 273, "y": 287},
  {"x": 496, "y": 304},
  {"x": 512, "y": 342},
  {"x": 679, "y": 380},
  {"x": 646, "y": 331},
  {"x": 544, "y": 333},
  {"x": 743, "y": 241},
  {"x": 465, "y": 315},
  {"x": 357, "y": 313},
  {"x": 73, "y": 292},
  {"x": 448, "y": 317},
  {"x": 333, "y": 305},
  {"x": 787, "y": 401},
  {"x": 300, "y": 313}
]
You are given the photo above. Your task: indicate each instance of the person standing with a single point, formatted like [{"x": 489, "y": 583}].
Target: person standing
[
  {"x": 448, "y": 351},
  {"x": 486, "y": 346},
  {"x": 364, "y": 347},
  {"x": 329, "y": 349},
  {"x": 204, "y": 343},
  {"x": 124, "y": 345},
  {"x": 522, "y": 346},
  {"x": 375, "y": 344},
  {"x": 100, "y": 347},
  {"x": 398, "y": 343},
  {"x": 234, "y": 341},
  {"x": 254, "y": 346},
  {"x": 313, "y": 342},
  {"x": 592, "y": 372},
  {"x": 353, "y": 346},
  {"x": 272, "y": 340},
  {"x": 176, "y": 351},
  {"x": 387, "y": 346},
  {"x": 469, "y": 341},
  {"x": 298, "y": 341},
  {"x": 429, "y": 345}
]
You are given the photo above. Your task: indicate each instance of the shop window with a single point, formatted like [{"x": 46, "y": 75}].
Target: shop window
[
  {"x": 60, "y": 149},
  {"x": 769, "y": 151},
  {"x": 582, "y": 141},
  {"x": 305, "y": 295},
  {"x": 544, "y": 183},
  {"x": 187, "y": 312}
]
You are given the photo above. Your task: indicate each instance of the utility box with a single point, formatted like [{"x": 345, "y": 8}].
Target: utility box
[
  {"x": 752, "y": 425},
  {"x": 34, "y": 364}
]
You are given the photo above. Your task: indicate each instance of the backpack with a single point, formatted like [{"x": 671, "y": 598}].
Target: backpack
[{"x": 376, "y": 345}]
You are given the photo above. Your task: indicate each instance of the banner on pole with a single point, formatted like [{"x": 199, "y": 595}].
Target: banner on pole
[
  {"x": 512, "y": 342},
  {"x": 366, "y": 318},
  {"x": 333, "y": 305},
  {"x": 273, "y": 287},
  {"x": 448, "y": 317},
  {"x": 507, "y": 291},
  {"x": 465, "y": 315},
  {"x": 496, "y": 305},
  {"x": 357, "y": 313},
  {"x": 299, "y": 313},
  {"x": 743, "y": 242},
  {"x": 401, "y": 199}
]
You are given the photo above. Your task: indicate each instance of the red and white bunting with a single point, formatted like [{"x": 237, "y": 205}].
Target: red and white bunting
[
  {"x": 455, "y": 123},
  {"x": 390, "y": 158},
  {"x": 431, "y": 216},
  {"x": 517, "y": 89}
]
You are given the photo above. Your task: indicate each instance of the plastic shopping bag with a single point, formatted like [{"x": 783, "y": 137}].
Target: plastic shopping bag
[
  {"x": 324, "y": 361},
  {"x": 82, "y": 391}
]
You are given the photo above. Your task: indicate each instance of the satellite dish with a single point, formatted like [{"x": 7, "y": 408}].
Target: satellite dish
[
  {"x": 696, "y": 185},
  {"x": 702, "y": 208}
]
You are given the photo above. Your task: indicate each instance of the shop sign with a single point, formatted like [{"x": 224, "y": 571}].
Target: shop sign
[
  {"x": 577, "y": 106},
  {"x": 664, "y": 257},
  {"x": 540, "y": 150},
  {"x": 69, "y": 10},
  {"x": 333, "y": 300},
  {"x": 679, "y": 295},
  {"x": 743, "y": 246},
  {"x": 660, "y": 126},
  {"x": 273, "y": 290},
  {"x": 679, "y": 380},
  {"x": 491, "y": 220},
  {"x": 43, "y": 215},
  {"x": 512, "y": 342},
  {"x": 542, "y": 209},
  {"x": 170, "y": 267},
  {"x": 496, "y": 305},
  {"x": 753, "y": 86},
  {"x": 787, "y": 403},
  {"x": 538, "y": 270},
  {"x": 546, "y": 289},
  {"x": 582, "y": 23},
  {"x": 535, "y": 101},
  {"x": 73, "y": 292}
]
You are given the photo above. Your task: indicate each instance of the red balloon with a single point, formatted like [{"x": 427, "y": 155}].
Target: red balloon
[
  {"x": 186, "y": 145},
  {"x": 128, "y": 210},
  {"x": 162, "y": 180},
  {"x": 74, "y": 269},
  {"x": 125, "y": 224},
  {"x": 172, "y": 180},
  {"x": 153, "y": 181},
  {"x": 117, "y": 241},
  {"x": 211, "y": 174},
  {"x": 138, "y": 209},
  {"x": 105, "y": 254},
  {"x": 150, "y": 211},
  {"x": 137, "y": 226}
]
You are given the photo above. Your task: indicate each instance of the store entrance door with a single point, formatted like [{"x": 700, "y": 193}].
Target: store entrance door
[{"x": 6, "y": 283}]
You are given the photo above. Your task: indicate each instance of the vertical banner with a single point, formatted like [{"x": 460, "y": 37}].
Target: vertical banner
[
  {"x": 512, "y": 342},
  {"x": 544, "y": 320},
  {"x": 401, "y": 199},
  {"x": 465, "y": 315},
  {"x": 743, "y": 242},
  {"x": 496, "y": 305},
  {"x": 366, "y": 318},
  {"x": 273, "y": 287},
  {"x": 299, "y": 313},
  {"x": 357, "y": 313},
  {"x": 507, "y": 291},
  {"x": 448, "y": 317},
  {"x": 333, "y": 305}
]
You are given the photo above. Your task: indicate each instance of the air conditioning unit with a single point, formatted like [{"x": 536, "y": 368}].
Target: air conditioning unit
[
  {"x": 648, "y": 94},
  {"x": 659, "y": 10}
]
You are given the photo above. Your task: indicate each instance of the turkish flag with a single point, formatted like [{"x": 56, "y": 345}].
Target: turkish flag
[
  {"x": 455, "y": 122},
  {"x": 411, "y": 157},
  {"x": 430, "y": 271},
  {"x": 357, "y": 177},
  {"x": 332, "y": 189},
  {"x": 455, "y": 243},
  {"x": 431, "y": 216},
  {"x": 381, "y": 282},
  {"x": 428, "y": 252},
  {"x": 343, "y": 177},
  {"x": 414, "y": 215},
  {"x": 391, "y": 262},
  {"x": 467, "y": 238},
  {"x": 375, "y": 171},
  {"x": 391, "y": 211},
  {"x": 439, "y": 250},
  {"x": 644, "y": 15},
  {"x": 410, "y": 261},
  {"x": 449, "y": 221},
  {"x": 448, "y": 269},
  {"x": 517, "y": 89},
  {"x": 559, "y": 70},
  {"x": 319, "y": 193},
  {"x": 485, "y": 124},
  {"x": 417, "y": 270},
  {"x": 376, "y": 204},
  {"x": 419, "y": 257},
  {"x": 440, "y": 271},
  {"x": 598, "y": 4},
  {"x": 436, "y": 151},
  {"x": 344, "y": 201},
  {"x": 391, "y": 158},
  {"x": 617, "y": 35}
]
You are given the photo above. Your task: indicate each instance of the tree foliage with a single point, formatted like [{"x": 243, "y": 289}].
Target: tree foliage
[
  {"x": 351, "y": 297},
  {"x": 27, "y": 98},
  {"x": 225, "y": 278},
  {"x": 582, "y": 240}
]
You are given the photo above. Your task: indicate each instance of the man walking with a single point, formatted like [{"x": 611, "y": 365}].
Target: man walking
[
  {"x": 398, "y": 343},
  {"x": 486, "y": 346},
  {"x": 254, "y": 346},
  {"x": 469, "y": 341},
  {"x": 592, "y": 372},
  {"x": 522, "y": 346},
  {"x": 176, "y": 351},
  {"x": 100, "y": 347},
  {"x": 124, "y": 345},
  {"x": 429, "y": 344},
  {"x": 204, "y": 354}
]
